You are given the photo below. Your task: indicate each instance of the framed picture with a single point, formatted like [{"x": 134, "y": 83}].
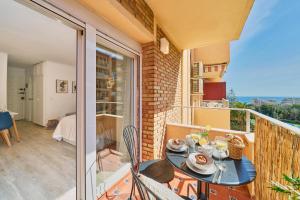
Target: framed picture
[
  {"x": 74, "y": 87},
  {"x": 61, "y": 86}
]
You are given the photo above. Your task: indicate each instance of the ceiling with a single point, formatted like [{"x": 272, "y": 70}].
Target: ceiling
[
  {"x": 197, "y": 23},
  {"x": 212, "y": 54},
  {"x": 29, "y": 37},
  {"x": 114, "y": 13}
]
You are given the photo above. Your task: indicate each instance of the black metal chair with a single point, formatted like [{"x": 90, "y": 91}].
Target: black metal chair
[
  {"x": 159, "y": 170},
  {"x": 145, "y": 192}
]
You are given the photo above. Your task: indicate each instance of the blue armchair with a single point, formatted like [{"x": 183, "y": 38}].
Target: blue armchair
[{"x": 6, "y": 123}]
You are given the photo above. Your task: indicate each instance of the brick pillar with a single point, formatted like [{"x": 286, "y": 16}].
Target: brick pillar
[
  {"x": 148, "y": 73},
  {"x": 161, "y": 90}
]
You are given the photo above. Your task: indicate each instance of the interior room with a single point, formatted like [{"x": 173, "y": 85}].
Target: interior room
[{"x": 38, "y": 90}]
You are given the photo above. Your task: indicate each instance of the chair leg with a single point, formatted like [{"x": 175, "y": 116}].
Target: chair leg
[
  {"x": 99, "y": 161},
  {"x": 16, "y": 130},
  {"x": 132, "y": 192},
  {"x": 5, "y": 136},
  {"x": 190, "y": 186}
]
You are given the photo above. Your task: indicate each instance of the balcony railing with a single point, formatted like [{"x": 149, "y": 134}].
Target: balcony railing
[
  {"x": 215, "y": 103},
  {"x": 272, "y": 145}
]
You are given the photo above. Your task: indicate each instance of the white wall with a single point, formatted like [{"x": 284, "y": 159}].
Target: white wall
[
  {"x": 3, "y": 80},
  {"x": 58, "y": 104},
  {"x": 55, "y": 105},
  {"x": 15, "y": 81}
]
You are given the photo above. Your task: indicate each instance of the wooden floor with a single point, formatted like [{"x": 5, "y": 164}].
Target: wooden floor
[{"x": 38, "y": 167}]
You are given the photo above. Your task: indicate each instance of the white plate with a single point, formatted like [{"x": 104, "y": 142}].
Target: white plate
[
  {"x": 193, "y": 161},
  {"x": 182, "y": 149},
  {"x": 212, "y": 169},
  {"x": 174, "y": 146}
]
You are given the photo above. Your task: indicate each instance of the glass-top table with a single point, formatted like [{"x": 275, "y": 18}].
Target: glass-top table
[{"x": 237, "y": 172}]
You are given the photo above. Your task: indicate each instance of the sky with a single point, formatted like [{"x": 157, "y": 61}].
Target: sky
[{"x": 265, "y": 61}]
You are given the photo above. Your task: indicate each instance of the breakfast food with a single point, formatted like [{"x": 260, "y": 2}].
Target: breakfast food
[
  {"x": 235, "y": 140},
  {"x": 203, "y": 141},
  {"x": 201, "y": 159},
  {"x": 177, "y": 141},
  {"x": 195, "y": 137},
  {"x": 236, "y": 146}
]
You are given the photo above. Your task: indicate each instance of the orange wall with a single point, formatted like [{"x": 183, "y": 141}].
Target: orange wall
[{"x": 216, "y": 118}]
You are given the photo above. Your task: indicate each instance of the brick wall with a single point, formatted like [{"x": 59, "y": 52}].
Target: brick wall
[
  {"x": 161, "y": 90},
  {"x": 141, "y": 11}
]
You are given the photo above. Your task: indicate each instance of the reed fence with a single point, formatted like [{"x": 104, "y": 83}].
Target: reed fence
[{"x": 277, "y": 152}]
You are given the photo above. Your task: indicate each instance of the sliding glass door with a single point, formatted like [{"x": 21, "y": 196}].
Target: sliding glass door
[{"x": 115, "y": 75}]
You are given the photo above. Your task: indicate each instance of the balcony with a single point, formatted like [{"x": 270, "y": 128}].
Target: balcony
[
  {"x": 273, "y": 146},
  {"x": 214, "y": 71}
]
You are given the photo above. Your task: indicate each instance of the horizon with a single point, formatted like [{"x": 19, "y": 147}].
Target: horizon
[
  {"x": 265, "y": 60},
  {"x": 268, "y": 96}
]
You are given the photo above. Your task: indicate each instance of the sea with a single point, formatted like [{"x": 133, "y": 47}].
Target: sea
[{"x": 249, "y": 99}]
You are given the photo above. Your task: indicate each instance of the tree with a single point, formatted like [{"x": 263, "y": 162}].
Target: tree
[{"x": 231, "y": 97}]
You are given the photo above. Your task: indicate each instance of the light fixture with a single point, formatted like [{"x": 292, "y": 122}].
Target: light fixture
[{"x": 164, "y": 45}]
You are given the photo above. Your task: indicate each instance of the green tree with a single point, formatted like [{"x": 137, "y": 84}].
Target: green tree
[{"x": 231, "y": 97}]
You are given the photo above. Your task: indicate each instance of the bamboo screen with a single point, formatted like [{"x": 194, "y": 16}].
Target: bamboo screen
[{"x": 277, "y": 152}]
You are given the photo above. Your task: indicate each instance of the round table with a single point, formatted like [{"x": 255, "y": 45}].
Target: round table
[{"x": 238, "y": 172}]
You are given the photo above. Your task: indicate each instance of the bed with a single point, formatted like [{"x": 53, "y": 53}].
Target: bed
[{"x": 66, "y": 130}]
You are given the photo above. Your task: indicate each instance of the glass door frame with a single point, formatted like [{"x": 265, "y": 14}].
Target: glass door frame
[
  {"x": 86, "y": 57},
  {"x": 135, "y": 85}
]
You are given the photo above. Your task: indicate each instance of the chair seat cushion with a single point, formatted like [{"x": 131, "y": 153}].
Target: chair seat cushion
[
  {"x": 5, "y": 121},
  {"x": 159, "y": 170}
]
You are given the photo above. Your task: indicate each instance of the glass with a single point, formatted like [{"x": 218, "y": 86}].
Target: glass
[
  {"x": 207, "y": 148},
  {"x": 190, "y": 142},
  {"x": 221, "y": 145},
  {"x": 114, "y": 111}
]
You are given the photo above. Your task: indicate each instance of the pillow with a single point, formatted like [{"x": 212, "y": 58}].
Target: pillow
[{"x": 160, "y": 190}]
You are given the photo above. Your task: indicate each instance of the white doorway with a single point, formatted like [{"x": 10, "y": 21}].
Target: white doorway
[{"x": 16, "y": 92}]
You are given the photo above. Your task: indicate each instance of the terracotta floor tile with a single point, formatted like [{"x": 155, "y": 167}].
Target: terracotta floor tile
[{"x": 121, "y": 191}]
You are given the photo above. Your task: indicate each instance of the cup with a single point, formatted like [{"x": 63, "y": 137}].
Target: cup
[
  {"x": 206, "y": 148},
  {"x": 190, "y": 141}
]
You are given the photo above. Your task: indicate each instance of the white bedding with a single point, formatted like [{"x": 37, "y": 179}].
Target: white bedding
[{"x": 66, "y": 130}]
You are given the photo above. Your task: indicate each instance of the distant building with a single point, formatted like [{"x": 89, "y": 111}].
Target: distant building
[
  {"x": 259, "y": 102},
  {"x": 290, "y": 101}
]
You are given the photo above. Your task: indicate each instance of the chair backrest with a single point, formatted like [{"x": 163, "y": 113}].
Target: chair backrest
[
  {"x": 5, "y": 121},
  {"x": 132, "y": 140},
  {"x": 150, "y": 189},
  {"x": 145, "y": 192}
]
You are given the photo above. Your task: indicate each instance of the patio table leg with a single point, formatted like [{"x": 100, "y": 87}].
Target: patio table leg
[
  {"x": 199, "y": 189},
  {"x": 207, "y": 190},
  {"x": 202, "y": 195}
]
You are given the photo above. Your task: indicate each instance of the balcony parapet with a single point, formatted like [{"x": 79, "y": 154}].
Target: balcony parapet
[{"x": 224, "y": 103}]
